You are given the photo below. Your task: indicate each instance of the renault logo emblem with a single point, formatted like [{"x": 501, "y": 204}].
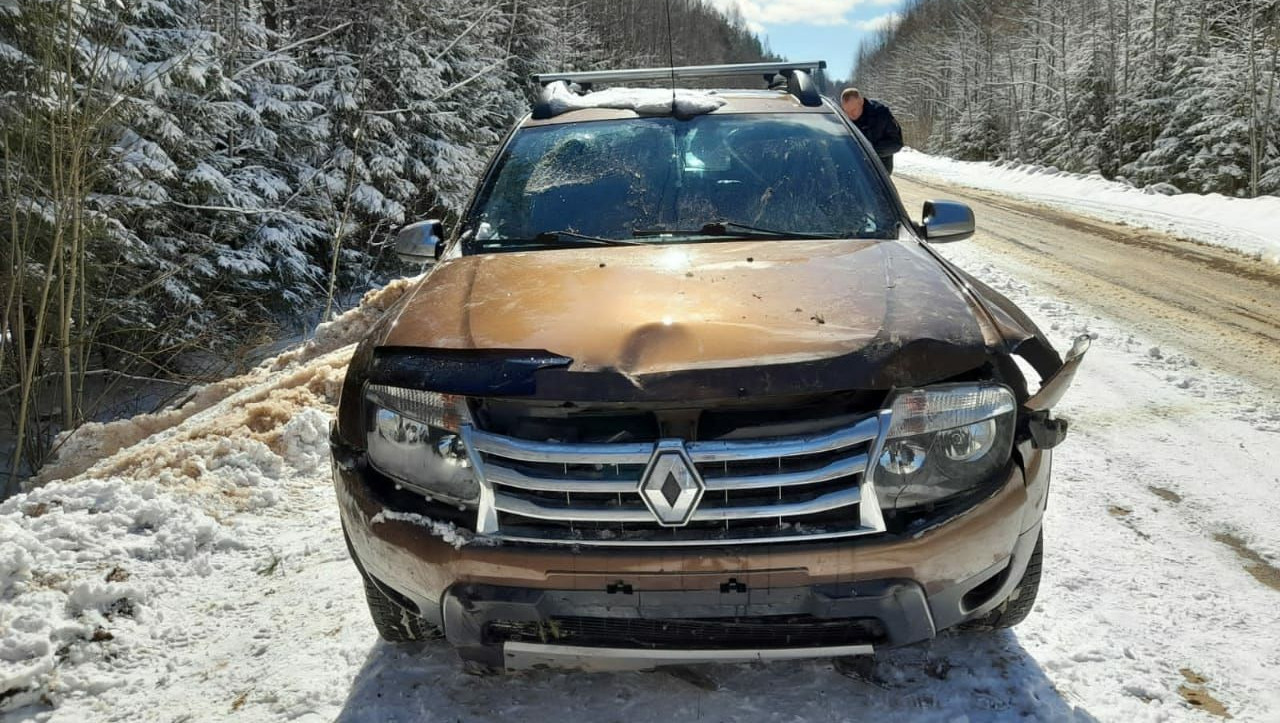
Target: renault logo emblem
[{"x": 671, "y": 486}]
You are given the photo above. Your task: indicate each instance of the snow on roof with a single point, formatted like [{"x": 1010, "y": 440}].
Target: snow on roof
[{"x": 644, "y": 101}]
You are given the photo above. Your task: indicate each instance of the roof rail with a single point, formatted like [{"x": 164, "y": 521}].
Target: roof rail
[
  {"x": 679, "y": 73},
  {"x": 797, "y": 75},
  {"x": 803, "y": 88}
]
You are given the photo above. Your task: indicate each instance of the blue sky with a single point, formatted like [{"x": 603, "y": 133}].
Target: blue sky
[{"x": 827, "y": 30}]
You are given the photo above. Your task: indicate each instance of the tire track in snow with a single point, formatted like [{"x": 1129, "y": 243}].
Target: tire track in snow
[{"x": 1218, "y": 305}]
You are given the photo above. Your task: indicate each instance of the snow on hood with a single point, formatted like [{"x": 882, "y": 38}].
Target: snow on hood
[{"x": 644, "y": 101}]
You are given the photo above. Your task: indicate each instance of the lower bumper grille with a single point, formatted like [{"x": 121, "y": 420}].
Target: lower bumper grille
[{"x": 799, "y": 631}]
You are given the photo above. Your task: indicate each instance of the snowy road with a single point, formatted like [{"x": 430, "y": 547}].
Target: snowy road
[
  {"x": 199, "y": 574},
  {"x": 1221, "y": 307}
]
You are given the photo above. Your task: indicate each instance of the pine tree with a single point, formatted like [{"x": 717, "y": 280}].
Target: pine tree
[{"x": 1157, "y": 91}]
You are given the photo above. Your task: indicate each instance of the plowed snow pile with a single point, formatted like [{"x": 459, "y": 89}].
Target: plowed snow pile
[{"x": 133, "y": 505}]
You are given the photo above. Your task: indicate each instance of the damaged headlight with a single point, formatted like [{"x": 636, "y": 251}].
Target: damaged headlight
[
  {"x": 412, "y": 437},
  {"x": 942, "y": 441}
]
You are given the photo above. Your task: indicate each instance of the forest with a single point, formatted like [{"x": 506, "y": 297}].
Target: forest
[
  {"x": 181, "y": 178},
  {"x": 1178, "y": 94}
]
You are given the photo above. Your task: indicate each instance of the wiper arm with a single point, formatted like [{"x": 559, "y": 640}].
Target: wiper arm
[
  {"x": 550, "y": 237},
  {"x": 730, "y": 229},
  {"x": 768, "y": 231}
]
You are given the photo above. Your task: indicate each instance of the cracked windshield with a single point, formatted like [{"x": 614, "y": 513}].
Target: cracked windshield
[{"x": 664, "y": 179}]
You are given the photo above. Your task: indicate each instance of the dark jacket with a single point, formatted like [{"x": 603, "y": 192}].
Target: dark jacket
[{"x": 880, "y": 127}]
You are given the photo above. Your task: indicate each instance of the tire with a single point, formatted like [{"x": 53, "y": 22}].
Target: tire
[
  {"x": 1017, "y": 606},
  {"x": 394, "y": 623}
]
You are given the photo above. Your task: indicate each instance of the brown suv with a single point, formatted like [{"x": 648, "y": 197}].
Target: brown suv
[{"x": 687, "y": 384}]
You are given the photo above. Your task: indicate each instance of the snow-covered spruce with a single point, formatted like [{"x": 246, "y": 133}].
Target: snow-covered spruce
[{"x": 1157, "y": 91}]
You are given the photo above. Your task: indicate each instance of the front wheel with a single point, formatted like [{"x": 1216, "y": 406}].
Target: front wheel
[
  {"x": 1017, "y": 606},
  {"x": 394, "y": 623}
]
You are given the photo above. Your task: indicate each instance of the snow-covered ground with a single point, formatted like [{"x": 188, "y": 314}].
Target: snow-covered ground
[
  {"x": 1247, "y": 225},
  {"x": 189, "y": 566}
]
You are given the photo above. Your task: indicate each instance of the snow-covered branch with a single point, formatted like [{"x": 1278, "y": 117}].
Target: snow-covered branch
[{"x": 285, "y": 50}]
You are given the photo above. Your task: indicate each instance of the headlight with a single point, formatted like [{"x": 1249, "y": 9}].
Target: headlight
[
  {"x": 942, "y": 441},
  {"x": 413, "y": 438}
]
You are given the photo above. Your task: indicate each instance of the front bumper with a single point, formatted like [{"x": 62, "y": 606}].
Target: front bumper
[
  {"x": 912, "y": 587},
  {"x": 646, "y": 629}
]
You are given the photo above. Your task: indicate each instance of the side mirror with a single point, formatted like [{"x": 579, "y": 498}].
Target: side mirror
[
  {"x": 421, "y": 242},
  {"x": 947, "y": 221}
]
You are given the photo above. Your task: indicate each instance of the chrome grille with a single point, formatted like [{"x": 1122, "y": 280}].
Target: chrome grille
[{"x": 760, "y": 490}]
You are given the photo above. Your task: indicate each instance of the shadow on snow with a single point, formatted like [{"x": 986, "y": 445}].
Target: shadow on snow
[{"x": 979, "y": 677}]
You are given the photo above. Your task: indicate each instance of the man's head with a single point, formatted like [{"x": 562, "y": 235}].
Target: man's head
[{"x": 852, "y": 102}]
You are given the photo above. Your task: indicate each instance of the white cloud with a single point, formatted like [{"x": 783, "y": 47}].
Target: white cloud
[
  {"x": 759, "y": 13},
  {"x": 879, "y": 23}
]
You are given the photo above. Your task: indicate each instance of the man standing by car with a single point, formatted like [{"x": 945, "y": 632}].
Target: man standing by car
[{"x": 876, "y": 122}]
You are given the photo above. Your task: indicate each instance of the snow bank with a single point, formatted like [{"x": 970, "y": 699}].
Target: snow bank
[
  {"x": 133, "y": 508},
  {"x": 1246, "y": 225},
  {"x": 78, "y": 449},
  {"x": 644, "y": 101},
  {"x": 94, "y": 442},
  {"x": 244, "y": 437},
  {"x": 69, "y": 608},
  {"x": 348, "y": 328},
  {"x": 73, "y": 621}
]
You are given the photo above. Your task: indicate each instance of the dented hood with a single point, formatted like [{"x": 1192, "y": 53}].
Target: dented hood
[{"x": 708, "y": 319}]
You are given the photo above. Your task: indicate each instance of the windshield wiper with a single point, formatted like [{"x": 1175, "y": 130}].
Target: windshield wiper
[
  {"x": 729, "y": 229},
  {"x": 550, "y": 237}
]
